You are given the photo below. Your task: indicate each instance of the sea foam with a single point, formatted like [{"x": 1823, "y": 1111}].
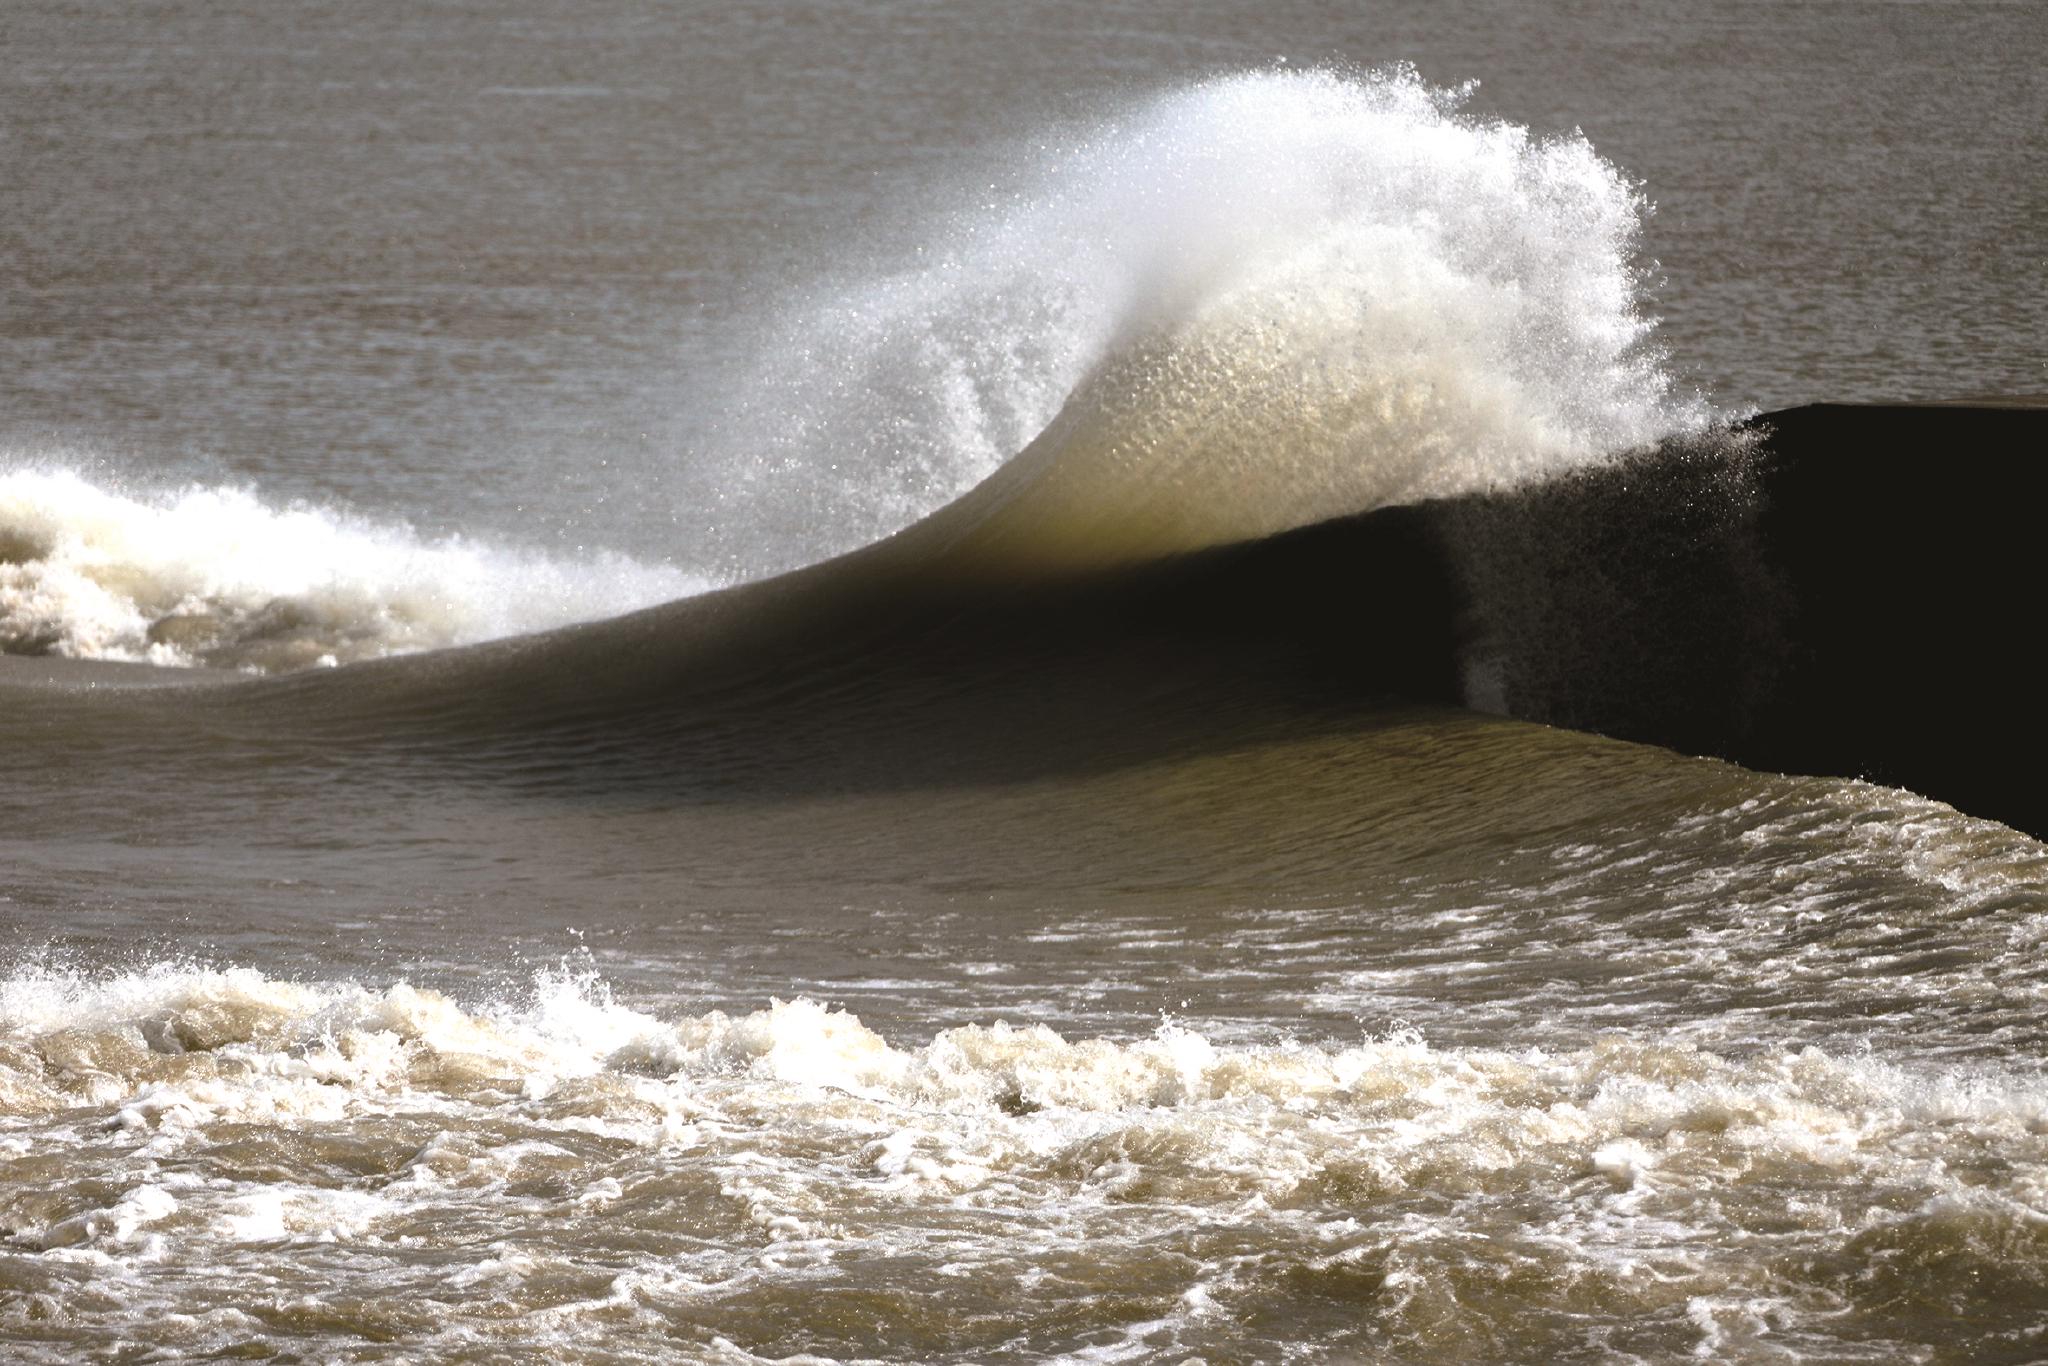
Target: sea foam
[
  {"x": 552, "y": 1160},
  {"x": 216, "y": 575}
]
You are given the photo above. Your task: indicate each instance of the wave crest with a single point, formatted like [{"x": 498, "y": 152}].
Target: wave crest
[{"x": 1261, "y": 301}]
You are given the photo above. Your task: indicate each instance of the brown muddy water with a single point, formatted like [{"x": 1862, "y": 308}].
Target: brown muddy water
[{"x": 788, "y": 957}]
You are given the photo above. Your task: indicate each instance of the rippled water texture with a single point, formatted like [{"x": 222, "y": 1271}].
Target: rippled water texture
[{"x": 1016, "y": 939}]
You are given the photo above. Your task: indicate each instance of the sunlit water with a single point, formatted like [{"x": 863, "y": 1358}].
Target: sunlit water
[{"x": 423, "y": 1011}]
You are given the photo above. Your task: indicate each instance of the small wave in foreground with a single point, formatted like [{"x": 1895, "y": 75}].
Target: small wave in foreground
[{"x": 218, "y": 1153}]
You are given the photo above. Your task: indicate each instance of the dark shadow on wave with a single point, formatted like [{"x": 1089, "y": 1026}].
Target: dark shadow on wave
[
  {"x": 1859, "y": 594},
  {"x": 1852, "y": 590},
  {"x": 1847, "y": 590},
  {"x": 870, "y": 673}
]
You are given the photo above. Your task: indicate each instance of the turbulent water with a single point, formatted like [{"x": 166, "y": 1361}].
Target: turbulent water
[
  {"x": 1249, "y": 306},
  {"x": 936, "y": 887},
  {"x": 214, "y": 576}
]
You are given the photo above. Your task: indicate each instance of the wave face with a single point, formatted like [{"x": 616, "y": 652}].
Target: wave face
[
  {"x": 216, "y": 576},
  {"x": 1260, "y": 301}
]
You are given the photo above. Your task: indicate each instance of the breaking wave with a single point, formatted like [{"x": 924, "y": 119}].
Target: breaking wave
[
  {"x": 216, "y": 576},
  {"x": 1262, "y": 300},
  {"x": 1253, "y": 304}
]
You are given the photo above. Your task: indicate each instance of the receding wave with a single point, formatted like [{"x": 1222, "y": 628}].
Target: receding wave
[
  {"x": 217, "y": 576},
  {"x": 255, "y": 1140}
]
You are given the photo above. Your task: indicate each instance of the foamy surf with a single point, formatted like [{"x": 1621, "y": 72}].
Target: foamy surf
[
  {"x": 218, "y": 576},
  {"x": 558, "y": 1170}
]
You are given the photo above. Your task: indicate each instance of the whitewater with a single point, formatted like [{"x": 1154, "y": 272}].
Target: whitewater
[
  {"x": 1261, "y": 303},
  {"x": 215, "y": 576},
  {"x": 815, "y": 687},
  {"x": 992, "y": 1156}
]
